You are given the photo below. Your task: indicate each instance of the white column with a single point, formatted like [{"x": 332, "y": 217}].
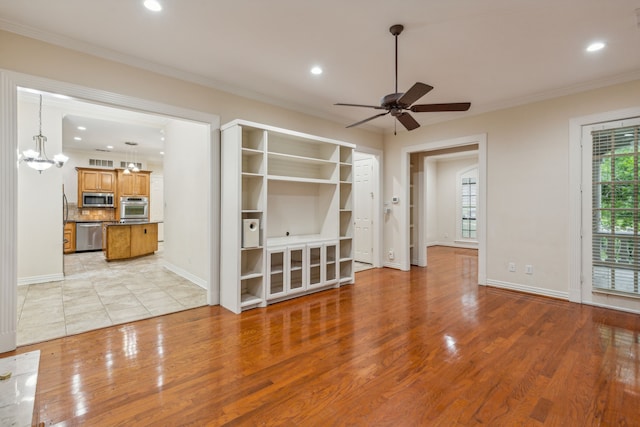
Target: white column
[{"x": 8, "y": 213}]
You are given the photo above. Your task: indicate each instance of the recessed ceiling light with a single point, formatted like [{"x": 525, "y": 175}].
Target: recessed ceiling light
[
  {"x": 110, "y": 147},
  {"x": 77, "y": 138},
  {"x": 162, "y": 153},
  {"x": 596, "y": 46},
  {"x": 153, "y": 5},
  {"x": 316, "y": 70},
  {"x": 82, "y": 128}
]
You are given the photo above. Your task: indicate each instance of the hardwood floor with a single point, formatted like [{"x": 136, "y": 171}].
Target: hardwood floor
[{"x": 425, "y": 347}]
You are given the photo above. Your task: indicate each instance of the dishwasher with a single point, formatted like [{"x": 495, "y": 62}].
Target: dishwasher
[{"x": 88, "y": 236}]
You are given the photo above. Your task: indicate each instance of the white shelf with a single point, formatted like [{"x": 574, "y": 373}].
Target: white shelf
[
  {"x": 249, "y": 300},
  {"x": 300, "y": 179},
  {"x": 252, "y": 152},
  {"x": 300, "y": 159},
  {"x": 251, "y": 276}
]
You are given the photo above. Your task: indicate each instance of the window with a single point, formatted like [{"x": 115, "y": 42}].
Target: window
[
  {"x": 467, "y": 204},
  {"x": 615, "y": 210}
]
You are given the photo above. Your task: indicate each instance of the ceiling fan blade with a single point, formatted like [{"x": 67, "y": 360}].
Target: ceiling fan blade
[
  {"x": 407, "y": 121},
  {"x": 366, "y": 120},
  {"x": 416, "y": 92},
  {"x": 432, "y": 108},
  {"x": 377, "y": 107}
]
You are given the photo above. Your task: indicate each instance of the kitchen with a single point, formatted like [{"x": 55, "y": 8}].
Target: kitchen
[{"x": 114, "y": 157}]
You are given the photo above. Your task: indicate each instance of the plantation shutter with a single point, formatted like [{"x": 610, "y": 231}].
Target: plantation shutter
[{"x": 616, "y": 210}]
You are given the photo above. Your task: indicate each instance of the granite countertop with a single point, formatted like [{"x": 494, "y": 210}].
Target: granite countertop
[{"x": 111, "y": 224}]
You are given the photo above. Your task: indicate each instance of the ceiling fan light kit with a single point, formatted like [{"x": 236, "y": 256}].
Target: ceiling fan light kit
[{"x": 398, "y": 104}]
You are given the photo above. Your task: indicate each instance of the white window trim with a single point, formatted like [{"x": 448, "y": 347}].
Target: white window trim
[
  {"x": 576, "y": 124},
  {"x": 459, "y": 175}
]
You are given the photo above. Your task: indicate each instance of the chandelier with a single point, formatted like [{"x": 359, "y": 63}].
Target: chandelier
[{"x": 37, "y": 159}]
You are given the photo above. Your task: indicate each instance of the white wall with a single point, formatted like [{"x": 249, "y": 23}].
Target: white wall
[
  {"x": 187, "y": 200},
  {"x": 527, "y": 183},
  {"x": 40, "y": 222},
  {"x": 446, "y": 198}
]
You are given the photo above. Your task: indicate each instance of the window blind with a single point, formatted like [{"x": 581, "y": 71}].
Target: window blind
[{"x": 616, "y": 210}]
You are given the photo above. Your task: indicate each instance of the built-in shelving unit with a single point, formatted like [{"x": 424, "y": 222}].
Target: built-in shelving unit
[{"x": 297, "y": 189}]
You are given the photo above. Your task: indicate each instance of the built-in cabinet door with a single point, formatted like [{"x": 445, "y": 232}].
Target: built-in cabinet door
[
  {"x": 296, "y": 280},
  {"x": 276, "y": 261},
  {"x": 330, "y": 263},
  {"x": 314, "y": 261}
]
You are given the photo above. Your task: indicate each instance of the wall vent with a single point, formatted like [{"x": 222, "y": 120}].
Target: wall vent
[
  {"x": 124, "y": 165},
  {"x": 101, "y": 162}
]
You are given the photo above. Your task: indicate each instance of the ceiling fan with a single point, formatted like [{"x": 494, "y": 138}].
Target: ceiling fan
[{"x": 397, "y": 104}]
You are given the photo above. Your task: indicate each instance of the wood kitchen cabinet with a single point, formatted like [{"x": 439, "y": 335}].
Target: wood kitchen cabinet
[
  {"x": 69, "y": 238},
  {"x": 134, "y": 183},
  {"x": 130, "y": 240},
  {"x": 95, "y": 181}
]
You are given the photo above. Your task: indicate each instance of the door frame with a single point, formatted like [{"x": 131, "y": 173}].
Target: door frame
[
  {"x": 9, "y": 83},
  {"x": 576, "y": 172},
  {"x": 376, "y": 180},
  {"x": 404, "y": 220}
]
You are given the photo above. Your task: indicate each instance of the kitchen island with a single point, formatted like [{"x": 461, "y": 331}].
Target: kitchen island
[{"x": 129, "y": 240}]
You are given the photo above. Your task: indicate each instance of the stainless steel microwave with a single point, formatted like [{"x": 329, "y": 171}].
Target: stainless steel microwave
[{"x": 97, "y": 200}]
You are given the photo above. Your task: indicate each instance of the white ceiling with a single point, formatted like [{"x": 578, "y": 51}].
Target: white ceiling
[
  {"x": 493, "y": 53},
  {"x": 104, "y": 127}
]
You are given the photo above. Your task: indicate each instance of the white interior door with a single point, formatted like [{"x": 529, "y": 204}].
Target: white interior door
[{"x": 363, "y": 209}]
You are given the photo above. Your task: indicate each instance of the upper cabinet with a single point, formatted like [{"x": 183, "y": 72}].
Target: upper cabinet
[
  {"x": 96, "y": 180},
  {"x": 133, "y": 183}
]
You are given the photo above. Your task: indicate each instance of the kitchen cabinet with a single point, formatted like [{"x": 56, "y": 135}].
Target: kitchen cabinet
[
  {"x": 95, "y": 181},
  {"x": 133, "y": 183},
  {"x": 297, "y": 188},
  {"x": 69, "y": 237},
  {"x": 130, "y": 240}
]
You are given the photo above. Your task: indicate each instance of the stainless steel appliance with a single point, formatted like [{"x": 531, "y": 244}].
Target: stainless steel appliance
[
  {"x": 97, "y": 200},
  {"x": 134, "y": 209},
  {"x": 88, "y": 236}
]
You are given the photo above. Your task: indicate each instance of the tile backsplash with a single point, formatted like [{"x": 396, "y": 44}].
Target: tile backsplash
[{"x": 91, "y": 214}]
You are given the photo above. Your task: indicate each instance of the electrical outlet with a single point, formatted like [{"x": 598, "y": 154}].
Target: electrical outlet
[
  {"x": 512, "y": 267},
  {"x": 528, "y": 269},
  {"x": 391, "y": 254}
]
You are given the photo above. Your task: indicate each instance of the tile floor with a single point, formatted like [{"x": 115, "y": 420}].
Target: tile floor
[{"x": 97, "y": 293}]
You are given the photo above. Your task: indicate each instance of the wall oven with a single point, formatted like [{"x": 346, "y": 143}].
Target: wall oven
[
  {"x": 97, "y": 200},
  {"x": 134, "y": 209}
]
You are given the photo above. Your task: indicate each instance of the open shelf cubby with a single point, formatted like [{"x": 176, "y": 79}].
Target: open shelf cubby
[
  {"x": 251, "y": 263},
  {"x": 253, "y": 139},
  {"x": 346, "y": 198},
  {"x": 302, "y": 147}
]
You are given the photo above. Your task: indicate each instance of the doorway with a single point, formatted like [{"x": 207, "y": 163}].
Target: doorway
[
  {"x": 208, "y": 182},
  {"x": 363, "y": 207},
  {"x": 366, "y": 206},
  {"x": 419, "y": 228}
]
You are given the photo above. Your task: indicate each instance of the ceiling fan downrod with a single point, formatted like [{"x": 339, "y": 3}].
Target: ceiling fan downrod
[{"x": 396, "y": 30}]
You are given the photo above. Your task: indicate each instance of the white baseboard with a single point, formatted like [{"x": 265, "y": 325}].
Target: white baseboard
[
  {"x": 8, "y": 341},
  {"x": 611, "y": 307},
  {"x": 32, "y": 280},
  {"x": 528, "y": 289},
  {"x": 461, "y": 245},
  {"x": 395, "y": 265},
  {"x": 183, "y": 273}
]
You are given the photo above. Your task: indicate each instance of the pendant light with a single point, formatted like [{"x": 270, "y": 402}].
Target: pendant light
[{"x": 37, "y": 159}]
